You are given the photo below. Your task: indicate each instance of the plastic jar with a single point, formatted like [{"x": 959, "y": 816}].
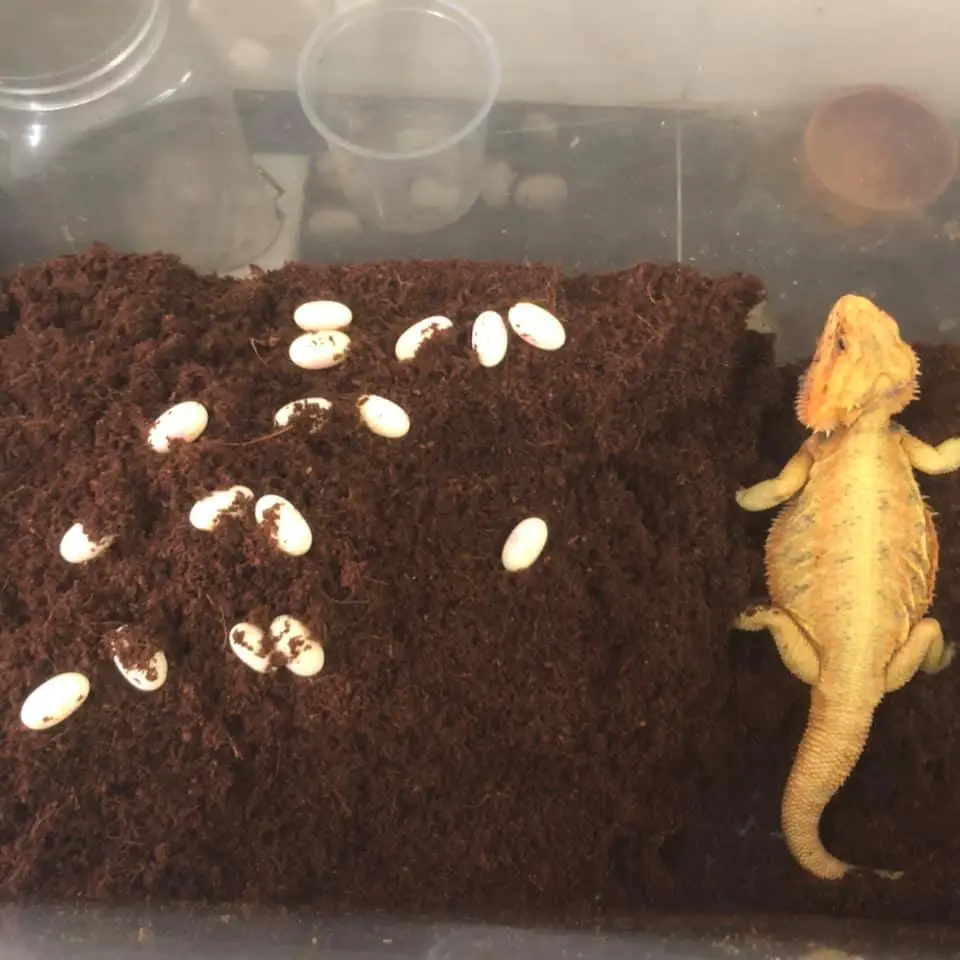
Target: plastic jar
[{"x": 117, "y": 125}]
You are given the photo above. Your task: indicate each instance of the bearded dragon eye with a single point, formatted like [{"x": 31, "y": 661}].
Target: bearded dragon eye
[{"x": 841, "y": 346}]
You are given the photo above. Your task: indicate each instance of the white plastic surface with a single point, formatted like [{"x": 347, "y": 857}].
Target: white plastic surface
[{"x": 625, "y": 52}]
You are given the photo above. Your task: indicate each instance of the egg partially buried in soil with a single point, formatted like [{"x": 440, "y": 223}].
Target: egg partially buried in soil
[
  {"x": 144, "y": 669},
  {"x": 290, "y": 531},
  {"x": 417, "y": 334},
  {"x": 208, "y": 511},
  {"x": 246, "y": 641},
  {"x": 296, "y": 642},
  {"x": 183, "y": 421},
  {"x": 148, "y": 676},
  {"x": 312, "y": 408},
  {"x": 320, "y": 351},
  {"x": 77, "y": 547}
]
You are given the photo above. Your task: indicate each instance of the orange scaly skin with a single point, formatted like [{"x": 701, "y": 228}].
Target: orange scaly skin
[{"x": 851, "y": 559}]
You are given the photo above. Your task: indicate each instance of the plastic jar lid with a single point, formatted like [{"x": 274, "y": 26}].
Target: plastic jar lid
[{"x": 74, "y": 52}]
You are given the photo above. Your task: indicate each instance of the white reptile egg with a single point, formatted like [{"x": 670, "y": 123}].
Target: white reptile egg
[
  {"x": 54, "y": 700},
  {"x": 417, "y": 334},
  {"x": 320, "y": 351},
  {"x": 292, "y": 532},
  {"x": 77, "y": 547},
  {"x": 319, "y": 315},
  {"x": 208, "y": 511},
  {"x": 536, "y": 326},
  {"x": 285, "y": 414},
  {"x": 524, "y": 545},
  {"x": 183, "y": 421},
  {"x": 489, "y": 338},
  {"x": 383, "y": 417},
  {"x": 148, "y": 678},
  {"x": 296, "y": 642},
  {"x": 246, "y": 641}
]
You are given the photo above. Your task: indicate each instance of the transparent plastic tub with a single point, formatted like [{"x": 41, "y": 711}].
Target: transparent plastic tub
[
  {"x": 116, "y": 125},
  {"x": 412, "y": 161},
  {"x": 718, "y": 183}
]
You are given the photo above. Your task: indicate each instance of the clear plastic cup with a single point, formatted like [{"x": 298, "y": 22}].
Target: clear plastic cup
[
  {"x": 401, "y": 92},
  {"x": 118, "y": 125}
]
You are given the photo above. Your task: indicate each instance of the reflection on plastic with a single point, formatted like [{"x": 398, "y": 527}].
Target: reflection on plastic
[
  {"x": 401, "y": 92},
  {"x": 139, "y": 146}
]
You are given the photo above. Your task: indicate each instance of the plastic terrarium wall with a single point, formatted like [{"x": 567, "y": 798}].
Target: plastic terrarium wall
[{"x": 813, "y": 148}]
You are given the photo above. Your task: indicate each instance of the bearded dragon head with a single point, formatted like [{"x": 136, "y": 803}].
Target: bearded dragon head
[{"x": 861, "y": 366}]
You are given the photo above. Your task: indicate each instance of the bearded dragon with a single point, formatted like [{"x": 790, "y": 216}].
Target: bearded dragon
[{"x": 851, "y": 559}]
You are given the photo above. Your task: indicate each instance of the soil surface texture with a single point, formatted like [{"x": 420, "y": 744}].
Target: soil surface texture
[{"x": 586, "y": 738}]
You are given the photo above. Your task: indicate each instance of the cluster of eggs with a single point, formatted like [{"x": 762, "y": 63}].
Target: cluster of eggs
[{"x": 287, "y": 642}]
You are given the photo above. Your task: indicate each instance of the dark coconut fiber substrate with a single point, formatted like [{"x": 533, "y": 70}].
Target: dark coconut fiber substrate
[{"x": 584, "y": 739}]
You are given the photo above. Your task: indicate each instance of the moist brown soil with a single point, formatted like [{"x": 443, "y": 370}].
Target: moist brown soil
[{"x": 583, "y": 739}]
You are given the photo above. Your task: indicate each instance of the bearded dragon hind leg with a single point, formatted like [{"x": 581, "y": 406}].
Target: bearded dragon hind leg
[
  {"x": 798, "y": 654},
  {"x": 771, "y": 493},
  {"x": 924, "y": 650},
  {"x": 943, "y": 458}
]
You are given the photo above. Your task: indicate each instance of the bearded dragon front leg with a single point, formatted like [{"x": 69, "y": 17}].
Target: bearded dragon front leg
[
  {"x": 797, "y": 652},
  {"x": 943, "y": 458},
  {"x": 789, "y": 481}
]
